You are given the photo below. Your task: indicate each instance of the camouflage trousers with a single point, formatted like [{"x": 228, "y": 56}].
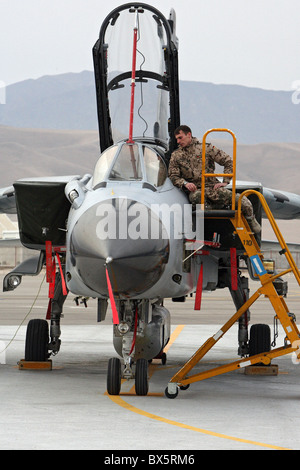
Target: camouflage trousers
[{"x": 220, "y": 199}]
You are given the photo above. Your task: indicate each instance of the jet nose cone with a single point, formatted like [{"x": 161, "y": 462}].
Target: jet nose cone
[{"x": 125, "y": 236}]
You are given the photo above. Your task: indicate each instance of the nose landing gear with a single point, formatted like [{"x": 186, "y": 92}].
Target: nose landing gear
[{"x": 140, "y": 374}]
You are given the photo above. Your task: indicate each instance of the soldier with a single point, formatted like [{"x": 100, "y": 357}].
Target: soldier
[{"x": 185, "y": 171}]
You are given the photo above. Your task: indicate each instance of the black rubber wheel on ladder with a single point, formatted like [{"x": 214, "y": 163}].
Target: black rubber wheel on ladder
[
  {"x": 260, "y": 339},
  {"x": 37, "y": 341},
  {"x": 171, "y": 395},
  {"x": 141, "y": 377},
  {"x": 114, "y": 376}
]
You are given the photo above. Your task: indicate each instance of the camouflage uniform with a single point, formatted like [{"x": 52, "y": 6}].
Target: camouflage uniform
[{"x": 186, "y": 166}]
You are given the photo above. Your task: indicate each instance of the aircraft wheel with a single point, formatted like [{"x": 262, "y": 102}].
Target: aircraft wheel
[
  {"x": 141, "y": 377},
  {"x": 114, "y": 376},
  {"x": 260, "y": 339},
  {"x": 37, "y": 340}
]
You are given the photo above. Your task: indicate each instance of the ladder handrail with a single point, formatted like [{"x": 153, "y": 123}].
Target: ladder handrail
[
  {"x": 274, "y": 226},
  {"x": 206, "y": 175}
]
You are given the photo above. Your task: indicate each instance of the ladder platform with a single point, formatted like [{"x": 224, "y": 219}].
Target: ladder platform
[
  {"x": 219, "y": 214},
  {"x": 34, "y": 365},
  {"x": 271, "y": 370}
]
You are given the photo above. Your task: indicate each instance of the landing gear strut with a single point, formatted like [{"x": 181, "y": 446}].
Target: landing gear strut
[
  {"x": 141, "y": 335},
  {"x": 38, "y": 348}
]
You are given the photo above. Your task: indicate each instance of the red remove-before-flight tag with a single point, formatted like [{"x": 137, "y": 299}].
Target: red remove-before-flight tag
[
  {"x": 112, "y": 301},
  {"x": 48, "y": 261},
  {"x": 199, "y": 290}
]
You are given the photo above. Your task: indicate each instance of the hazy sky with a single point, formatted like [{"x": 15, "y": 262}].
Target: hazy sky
[{"x": 254, "y": 43}]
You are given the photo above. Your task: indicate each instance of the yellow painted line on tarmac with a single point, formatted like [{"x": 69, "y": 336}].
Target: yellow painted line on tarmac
[
  {"x": 118, "y": 400},
  {"x": 174, "y": 336}
]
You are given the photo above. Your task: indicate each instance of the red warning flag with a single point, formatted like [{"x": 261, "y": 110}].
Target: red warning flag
[
  {"x": 199, "y": 290},
  {"x": 112, "y": 301}
]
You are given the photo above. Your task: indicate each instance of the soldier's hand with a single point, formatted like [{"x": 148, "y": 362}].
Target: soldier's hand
[
  {"x": 220, "y": 185},
  {"x": 191, "y": 187}
]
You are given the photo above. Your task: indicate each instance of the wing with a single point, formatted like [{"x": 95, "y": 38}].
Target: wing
[
  {"x": 283, "y": 205},
  {"x": 8, "y": 200},
  {"x": 42, "y": 208},
  {"x": 8, "y": 203}
]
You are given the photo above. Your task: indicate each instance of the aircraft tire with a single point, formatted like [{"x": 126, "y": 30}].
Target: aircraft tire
[
  {"x": 260, "y": 339},
  {"x": 37, "y": 340},
  {"x": 114, "y": 376},
  {"x": 141, "y": 377}
]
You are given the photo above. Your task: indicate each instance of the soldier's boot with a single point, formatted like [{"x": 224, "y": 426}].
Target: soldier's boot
[{"x": 253, "y": 224}]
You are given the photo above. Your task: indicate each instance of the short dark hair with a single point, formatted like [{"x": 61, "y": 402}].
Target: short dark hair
[{"x": 185, "y": 129}]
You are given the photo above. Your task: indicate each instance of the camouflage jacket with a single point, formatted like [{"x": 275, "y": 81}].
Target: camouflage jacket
[{"x": 186, "y": 164}]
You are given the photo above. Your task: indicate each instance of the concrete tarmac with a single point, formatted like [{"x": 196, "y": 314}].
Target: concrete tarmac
[{"x": 68, "y": 407}]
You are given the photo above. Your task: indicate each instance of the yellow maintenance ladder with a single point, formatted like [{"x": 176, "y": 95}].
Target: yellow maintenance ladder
[{"x": 252, "y": 250}]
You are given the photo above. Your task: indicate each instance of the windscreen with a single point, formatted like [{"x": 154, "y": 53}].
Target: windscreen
[
  {"x": 122, "y": 162},
  {"x": 151, "y": 97}
]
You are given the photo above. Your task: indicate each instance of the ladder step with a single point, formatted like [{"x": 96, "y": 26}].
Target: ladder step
[{"x": 219, "y": 214}]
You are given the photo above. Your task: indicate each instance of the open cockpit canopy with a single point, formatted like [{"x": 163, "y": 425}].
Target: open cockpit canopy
[{"x": 156, "y": 100}]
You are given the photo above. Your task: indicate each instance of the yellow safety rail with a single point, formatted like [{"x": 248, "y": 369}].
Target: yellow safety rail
[
  {"x": 207, "y": 175},
  {"x": 281, "y": 241}
]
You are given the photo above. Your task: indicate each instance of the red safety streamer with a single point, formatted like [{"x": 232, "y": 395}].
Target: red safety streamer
[
  {"x": 48, "y": 261},
  {"x": 135, "y": 330},
  {"x": 52, "y": 280},
  {"x": 233, "y": 263},
  {"x": 112, "y": 301},
  {"x": 50, "y": 271},
  {"x": 64, "y": 287},
  {"x": 199, "y": 290},
  {"x": 135, "y": 36},
  {"x": 48, "y": 315}
]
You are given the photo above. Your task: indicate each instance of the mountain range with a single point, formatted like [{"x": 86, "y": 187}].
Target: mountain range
[
  {"x": 49, "y": 127},
  {"x": 45, "y": 152},
  {"x": 68, "y": 102}
]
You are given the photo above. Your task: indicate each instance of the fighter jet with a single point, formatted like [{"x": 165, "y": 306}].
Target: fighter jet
[{"x": 123, "y": 234}]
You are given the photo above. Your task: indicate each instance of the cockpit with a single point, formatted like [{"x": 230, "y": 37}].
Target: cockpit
[{"x": 135, "y": 162}]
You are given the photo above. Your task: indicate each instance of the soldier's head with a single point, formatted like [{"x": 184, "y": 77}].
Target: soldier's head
[{"x": 183, "y": 135}]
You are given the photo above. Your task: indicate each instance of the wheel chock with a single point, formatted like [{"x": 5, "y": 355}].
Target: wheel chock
[
  {"x": 33, "y": 365},
  {"x": 261, "y": 370}
]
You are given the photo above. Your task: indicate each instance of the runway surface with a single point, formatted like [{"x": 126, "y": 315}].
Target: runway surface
[{"x": 68, "y": 407}]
